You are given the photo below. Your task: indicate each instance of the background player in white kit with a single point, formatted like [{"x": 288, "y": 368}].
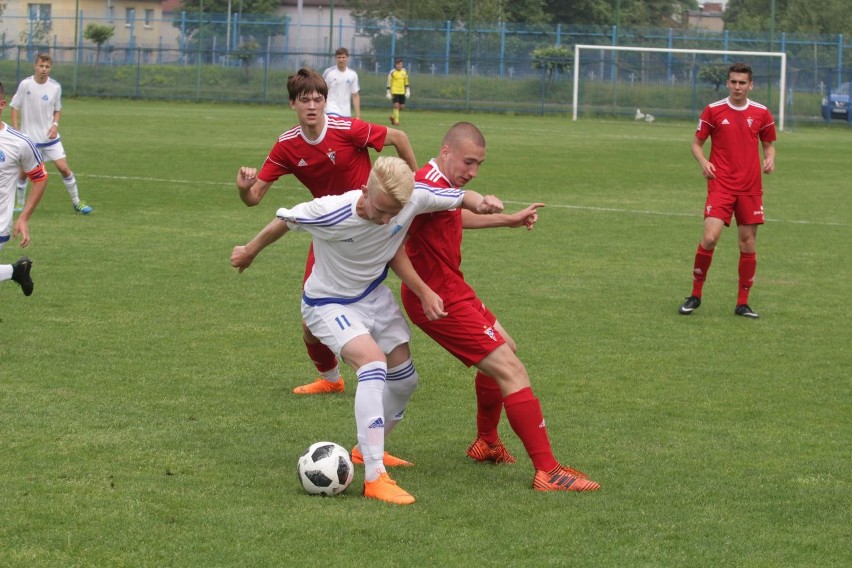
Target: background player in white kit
[
  {"x": 36, "y": 108},
  {"x": 345, "y": 304},
  {"x": 342, "y": 86},
  {"x": 17, "y": 153}
]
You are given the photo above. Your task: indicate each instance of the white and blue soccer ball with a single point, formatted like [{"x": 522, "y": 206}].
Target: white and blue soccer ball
[{"x": 325, "y": 469}]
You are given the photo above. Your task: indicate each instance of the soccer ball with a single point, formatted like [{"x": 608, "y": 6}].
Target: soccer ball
[{"x": 325, "y": 469}]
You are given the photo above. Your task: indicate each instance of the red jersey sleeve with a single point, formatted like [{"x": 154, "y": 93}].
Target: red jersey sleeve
[
  {"x": 368, "y": 135},
  {"x": 275, "y": 165},
  {"x": 705, "y": 124}
]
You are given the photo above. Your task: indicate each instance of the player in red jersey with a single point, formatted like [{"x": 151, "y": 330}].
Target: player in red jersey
[
  {"x": 734, "y": 186},
  {"x": 329, "y": 155},
  {"x": 460, "y": 322}
]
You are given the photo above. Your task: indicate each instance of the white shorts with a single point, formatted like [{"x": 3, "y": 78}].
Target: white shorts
[
  {"x": 378, "y": 314},
  {"x": 7, "y": 207},
  {"x": 51, "y": 152}
]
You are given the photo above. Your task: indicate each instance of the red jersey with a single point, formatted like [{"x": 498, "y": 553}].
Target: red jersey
[
  {"x": 434, "y": 244},
  {"x": 339, "y": 160},
  {"x": 734, "y": 134}
]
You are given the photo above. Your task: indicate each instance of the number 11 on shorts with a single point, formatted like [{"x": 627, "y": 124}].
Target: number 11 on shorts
[{"x": 342, "y": 322}]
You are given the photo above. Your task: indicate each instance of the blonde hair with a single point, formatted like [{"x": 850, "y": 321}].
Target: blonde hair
[{"x": 392, "y": 176}]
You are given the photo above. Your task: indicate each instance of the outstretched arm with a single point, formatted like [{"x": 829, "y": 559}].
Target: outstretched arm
[
  {"x": 242, "y": 256},
  {"x": 482, "y": 205},
  {"x": 433, "y": 305},
  {"x": 526, "y": 217}
]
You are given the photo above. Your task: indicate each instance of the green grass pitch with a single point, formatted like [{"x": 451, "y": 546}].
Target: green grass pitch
[{"x": 146, "y": 417}]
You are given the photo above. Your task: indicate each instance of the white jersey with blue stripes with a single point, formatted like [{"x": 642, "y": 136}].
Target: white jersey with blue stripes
[
  {"x": 352, "y": 253},
  {"x": 37, "y": 102}
]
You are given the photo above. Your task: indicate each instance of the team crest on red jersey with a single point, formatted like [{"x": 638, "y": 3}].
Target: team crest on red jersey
[
  {"x": 489, "y": 331},
  {"x": 332, "y": 155}
]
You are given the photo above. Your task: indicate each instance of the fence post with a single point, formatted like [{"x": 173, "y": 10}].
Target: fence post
[
  {"x": 839, "y": 59},
  {"x": 669, "y": 57},
  {"x": 138, "y": 72},
  {"x": 502, "y": 47},
  {"x": 183, "y": 37},
  {"x": 393, "y": 43},
  {"x": 447, "y": 50}
]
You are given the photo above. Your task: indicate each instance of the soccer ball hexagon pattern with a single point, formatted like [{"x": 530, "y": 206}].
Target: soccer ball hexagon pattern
[{"x": 325, "y": 469}]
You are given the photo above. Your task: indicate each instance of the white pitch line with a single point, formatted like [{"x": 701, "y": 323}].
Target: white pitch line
[
  {"x": 578, "y": 207},
  {"x": 670, "y": 214}
]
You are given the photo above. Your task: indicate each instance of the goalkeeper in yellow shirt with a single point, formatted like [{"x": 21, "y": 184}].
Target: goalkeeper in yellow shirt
[{"x": 398, "y": 89}]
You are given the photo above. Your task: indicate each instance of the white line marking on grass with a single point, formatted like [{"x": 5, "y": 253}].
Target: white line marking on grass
[
  {"x": 671, "y": 214},
  {"x": 523, "y": 203}
]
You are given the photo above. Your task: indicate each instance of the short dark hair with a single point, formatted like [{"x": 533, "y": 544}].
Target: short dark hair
[
  {"x": 2, "y": 92},
  {"x": 740, "y": 68},
  {"x": 342, "y": 51},
  {"x": 306, "y": 81},
  {"x": 397, "y": 60}
]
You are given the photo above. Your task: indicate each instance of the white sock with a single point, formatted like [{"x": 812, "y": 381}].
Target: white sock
[
  {"x": 5, "y": 272},
  {"x": 401, "y": 382},
  {"x": 21, "y": 192},
  {"x": 369, "y": 419},
  {"x": 332, "y": 375},
  {"x": 71, "y": 185}
]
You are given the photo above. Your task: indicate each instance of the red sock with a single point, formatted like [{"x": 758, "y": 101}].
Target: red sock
[
  {"x": 321, "y": 356},
  {"x": 489, "y": 406},
  {"x": 524, "y": 413},
  {"x": 703, "y": 258},
  {"x": 747, "y": 268}
]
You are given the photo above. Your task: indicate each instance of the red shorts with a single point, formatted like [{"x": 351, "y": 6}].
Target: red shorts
[
  {"x": 747, "y": 209},
  {"x": 467, "y": 332}
]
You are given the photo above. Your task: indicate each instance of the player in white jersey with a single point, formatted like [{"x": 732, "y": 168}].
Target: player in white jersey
[
  {"x": 17, "y": 153},
  {"x": 345, "y": 305},
  {"x": 36, "y": 109},
  {"x": 342, "y": 86}
]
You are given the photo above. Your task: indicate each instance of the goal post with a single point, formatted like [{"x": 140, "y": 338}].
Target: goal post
[{"x": 638, "y": 72}]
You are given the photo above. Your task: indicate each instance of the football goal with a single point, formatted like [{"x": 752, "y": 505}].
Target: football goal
[{"x": 652, "y": 82}]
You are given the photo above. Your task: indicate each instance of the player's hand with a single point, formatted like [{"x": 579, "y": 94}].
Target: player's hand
[
  {"x": 489, "y": 204},
  {"x": 21, "y": 229},
  {"x": 407, "y": 93},
  {"x": 240, "y": 258},
  {"x": 388, "y": 95},
  {"x": 708, "y": 170},
  {"x": 526, "y": 217},
  {"x": 52, "y": 132},
  {"x": 768, "y": 165},
  {"x": 246, "y": 177},
  {"x": 433, "y": 306}
]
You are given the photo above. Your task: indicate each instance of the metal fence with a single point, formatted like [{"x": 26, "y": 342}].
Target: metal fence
[{"x": 484, "y": 67}]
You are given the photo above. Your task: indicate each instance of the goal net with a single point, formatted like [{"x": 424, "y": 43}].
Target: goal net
[{"x": 649, "y": 83}]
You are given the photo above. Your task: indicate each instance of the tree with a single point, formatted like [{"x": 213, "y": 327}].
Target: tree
[
  {"x": 98, "y": 34},
  {"x": 791, "y": 16},
  {"x": 716, "y": 75},
  {"x": 553, "y": 59},
  {"x": 526, "y": 11},
  {"x": 247, "y": 53},
  {"x": 207, "y": 22},
  {"x": 580, "y": 12}
]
